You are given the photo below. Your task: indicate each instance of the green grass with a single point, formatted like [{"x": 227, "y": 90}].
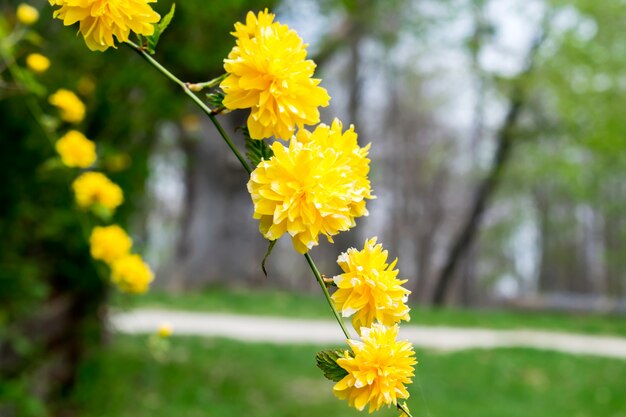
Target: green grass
[
  {"x": 308, "y": 306},
  {"x": 220, "y": 378}
]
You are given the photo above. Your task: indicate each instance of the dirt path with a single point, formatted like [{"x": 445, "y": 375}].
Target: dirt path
[{"x": 303, "y": 331}]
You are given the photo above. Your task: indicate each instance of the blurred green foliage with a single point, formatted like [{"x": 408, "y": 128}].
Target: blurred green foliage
[
  {"x": 44, "y": 254},
  {"x": 206, "y": 377}
]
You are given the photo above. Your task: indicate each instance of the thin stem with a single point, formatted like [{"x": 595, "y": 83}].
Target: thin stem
[
  {"x": 193, "y": 97},
  {"x": 195, "y": 87},
  {"x": 220, "y": 129},
  {"x": 320, "y": 280}
]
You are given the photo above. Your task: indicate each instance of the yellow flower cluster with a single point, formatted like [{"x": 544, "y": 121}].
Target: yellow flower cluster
[
  {"x": 101, "y": 20},
  {"x": 316, "y": 185},
  {"x": 109, "y": 243},
  {"x": 268, "y": 73},
  {"x": 112, "y": 245},
  {"x": 76, "y": 150},
  {"x": 131, "y": 274},
  {"x": 369, "y": 289},
  {"x": 37, "y": 63},
  {"x": 71, "y": 109},
  {"x": 27, "y": 14},
  {"x": 378, "y": 369},
  {"x": 95, "y": 188}
]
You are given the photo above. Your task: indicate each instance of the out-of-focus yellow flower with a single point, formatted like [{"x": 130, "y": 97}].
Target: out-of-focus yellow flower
[
  {"x": 76, "y": 150},
  {"x": 95, "y": 188},
  {"x": 37, "y": 63},
  {"x": 86, "y": 85},
  {"x": 165, "y": 330},
  {"x": 191, "y": 123},
  {"x": 309, "y": 188},
  {"x": 117, "y": 162},
  {"x": 27, "y": 14},
  {"x": 100, "y": 20},
  {"x": 269, "y": 73},
  {"x": 71, "y": 108},
  {"x": 109, "y": 243},
  {"x": 369, "y": 289},
  {"x": 378, "y": 369},
  {"x": 131, "y": 274}
]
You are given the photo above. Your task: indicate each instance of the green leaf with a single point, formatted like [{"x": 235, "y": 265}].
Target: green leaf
[
  {"x": 215, "y": 100},
  {"x": 52, "y": 164},
  {"x": 257, "y": 150},
  {"x": 28, "y": 81},
  {"x": 267, "y": 254},
  {"x": 327, "y": 362},
  {"x": 159, "y": 28},
  {"x": 102, "y": 212}
]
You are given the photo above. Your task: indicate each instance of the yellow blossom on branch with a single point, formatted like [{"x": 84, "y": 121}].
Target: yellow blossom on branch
[
  {"x": 71, "y": 108},
  {"x": 95, "y": 188},
  {"x": 37, "y": 63},
  {"x": 308, "y": 188},
  {"x": 109, "y": 243},
  {"x": 378, "y": 369},
  {"x": 354, "y": 157},
  {"x": 131, "y": 274},
  {"x": 369, "y": 290},
  {"x": 101, "y": 20},
  {"x": 268, "y": 73},
  {"x": 76, "y": 150},
  {"x": 27, "y": 14}
]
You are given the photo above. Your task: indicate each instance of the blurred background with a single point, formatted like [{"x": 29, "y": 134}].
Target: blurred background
[{"x": 498, "y": 134}]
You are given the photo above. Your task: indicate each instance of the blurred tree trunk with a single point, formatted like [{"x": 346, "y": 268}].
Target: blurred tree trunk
[
  {"x": 217, "y": 215},
  {"x": 485, "y": 190},
  {"x": 614, "y": 236},
  {"x": 504, "y": 147}
]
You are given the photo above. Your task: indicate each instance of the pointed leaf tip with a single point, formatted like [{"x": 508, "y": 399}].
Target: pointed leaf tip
[
  {"x": 327, "y": 362},
  {"x": 267, "y": 254}
]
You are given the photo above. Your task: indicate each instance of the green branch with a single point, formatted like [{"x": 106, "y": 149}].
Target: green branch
[
  {"x": 187, "y": 89},
  {"x": 184, "y": 86},
  {"x": 320, "y": 280}
]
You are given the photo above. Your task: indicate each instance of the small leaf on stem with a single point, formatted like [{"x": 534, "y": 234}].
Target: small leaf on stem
[
  {"x": 267, "y": 254},
  {"x": 152, "y": 41},
  {"x": 327, "y": 362},
  {"x": 258, "y": 150}
]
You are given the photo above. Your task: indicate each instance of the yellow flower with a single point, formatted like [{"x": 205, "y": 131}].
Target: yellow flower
[
  {"x": 378, "y": 369},
  {"x": 269, "y": 73},
  {"x": 109, "y": 243},
  {"x": 355, "y": 157},
  {"x": 37, "y": 63},
  {"x": 71, "y": 108},
  {"x": 165, "y": 330},
  {"x": 76, "y": 150},
  {"x": 95, "y": 188},
  {"x": 131, "y": 274},
  {"x": 86, "y": 85},
  {"x": 100, "y": 20},
  {"x": 309, "y": 188},
  {"x": 369, "y": 289},
  {"x": 27, "y": 14}
]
